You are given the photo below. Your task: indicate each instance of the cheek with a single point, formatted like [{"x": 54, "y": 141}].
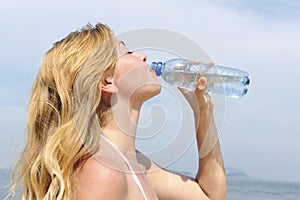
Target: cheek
[
  {"x": 121, "y": 69},
  {"x": 133, "y": 79},
  {"x": 123, "y": 66},
  {"x": 130, "y": 69}
]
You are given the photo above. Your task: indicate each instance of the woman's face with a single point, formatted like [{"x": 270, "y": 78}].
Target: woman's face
[{"x": 133, "y": 76}]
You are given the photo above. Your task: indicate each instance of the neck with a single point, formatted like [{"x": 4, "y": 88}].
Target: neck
[{"x": 121, "y": 129}]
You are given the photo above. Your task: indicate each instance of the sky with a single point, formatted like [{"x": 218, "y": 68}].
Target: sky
[{"x": 259, "y": 134}]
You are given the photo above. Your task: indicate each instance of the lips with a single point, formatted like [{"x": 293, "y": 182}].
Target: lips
[{"x": 150, "y": 69}]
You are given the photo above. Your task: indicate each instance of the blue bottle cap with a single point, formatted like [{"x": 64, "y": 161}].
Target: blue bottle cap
[{"x": 157, "y": 66}]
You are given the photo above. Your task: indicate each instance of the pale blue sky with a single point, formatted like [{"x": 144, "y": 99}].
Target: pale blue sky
[{"x": 261, "y": 132}]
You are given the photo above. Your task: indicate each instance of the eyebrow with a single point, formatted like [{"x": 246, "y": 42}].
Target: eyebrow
[{"x": 122, "y": 42}]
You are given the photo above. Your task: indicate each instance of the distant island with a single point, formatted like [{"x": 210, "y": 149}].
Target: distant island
[
  {"x": 235, "y": 173},
  {"x": 230, "y": 173}
]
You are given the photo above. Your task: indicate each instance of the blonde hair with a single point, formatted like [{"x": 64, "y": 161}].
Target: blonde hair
[{"x": 64, "y": 113}]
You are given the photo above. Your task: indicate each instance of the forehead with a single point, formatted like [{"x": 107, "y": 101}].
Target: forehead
[{"x": 122, "y": 49}]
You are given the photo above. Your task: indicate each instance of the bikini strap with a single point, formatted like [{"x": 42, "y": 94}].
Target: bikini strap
[{"x": 127, "y": 163}]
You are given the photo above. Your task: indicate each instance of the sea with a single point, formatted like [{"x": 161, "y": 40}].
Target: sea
[
  {"x": 256, "y": 189},
  {"x": 238, "y": 189}
]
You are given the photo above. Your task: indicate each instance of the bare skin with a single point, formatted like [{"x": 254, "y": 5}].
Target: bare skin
[{"x": 106, "y": 177}]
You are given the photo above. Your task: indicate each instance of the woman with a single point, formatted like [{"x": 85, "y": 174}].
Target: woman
[{"x": 81, "y": 126}]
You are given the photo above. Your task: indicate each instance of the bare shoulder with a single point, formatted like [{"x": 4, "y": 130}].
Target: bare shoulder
[{"x": 95, "y": 180}]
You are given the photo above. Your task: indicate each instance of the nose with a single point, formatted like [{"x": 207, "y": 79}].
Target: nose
[{"x": 142, "y": 56}]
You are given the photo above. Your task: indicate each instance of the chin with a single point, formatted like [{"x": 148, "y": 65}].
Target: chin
[
  {"x": 154, "y": 89},
  {"x": 148, "y": 91}
]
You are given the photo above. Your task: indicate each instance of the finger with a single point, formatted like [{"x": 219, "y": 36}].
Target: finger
[
  {"x": 208, "y": 101},
  {"x": 205, "y": 102},
  {"x": 205, "y": 99},
  {"x": 202, "y": 84}
]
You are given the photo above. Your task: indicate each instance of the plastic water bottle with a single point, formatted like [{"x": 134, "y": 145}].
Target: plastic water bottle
[{"x": 186, "y": 73}]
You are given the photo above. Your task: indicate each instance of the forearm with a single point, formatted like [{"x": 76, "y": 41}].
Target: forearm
[{"x": 211, "y": 174}]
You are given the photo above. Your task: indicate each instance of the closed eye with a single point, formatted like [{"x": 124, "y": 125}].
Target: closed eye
[{"x": 130, "y": 52}]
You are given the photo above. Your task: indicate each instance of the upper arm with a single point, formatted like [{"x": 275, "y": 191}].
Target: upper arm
[
  {"x": 96, "y": 181},
  {"x": 169, "y": 185}
]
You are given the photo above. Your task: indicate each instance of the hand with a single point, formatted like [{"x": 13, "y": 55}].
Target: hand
[
  {"x": 199, "y": 100},
  {"x": 201, "y": 103}
]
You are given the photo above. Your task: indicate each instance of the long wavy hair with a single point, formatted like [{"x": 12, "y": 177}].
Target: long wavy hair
[{"x": 65, "y": 113}]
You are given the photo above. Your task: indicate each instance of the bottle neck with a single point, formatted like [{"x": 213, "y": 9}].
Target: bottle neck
[{"x": 157, "y": 67}]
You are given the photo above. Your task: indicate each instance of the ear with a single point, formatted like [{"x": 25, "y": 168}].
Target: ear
[{"x": 108, "y": 86}]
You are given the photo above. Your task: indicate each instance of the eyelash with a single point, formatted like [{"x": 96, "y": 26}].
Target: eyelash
[{"x": 130, "y": 52}]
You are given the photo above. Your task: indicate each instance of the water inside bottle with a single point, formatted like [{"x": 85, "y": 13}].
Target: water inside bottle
[
  {"x": 187, "y": 79},
  {"x": 181, "y": 79}
]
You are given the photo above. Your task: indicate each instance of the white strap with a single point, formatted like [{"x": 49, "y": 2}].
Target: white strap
[{"x": 129, "y": 166}]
